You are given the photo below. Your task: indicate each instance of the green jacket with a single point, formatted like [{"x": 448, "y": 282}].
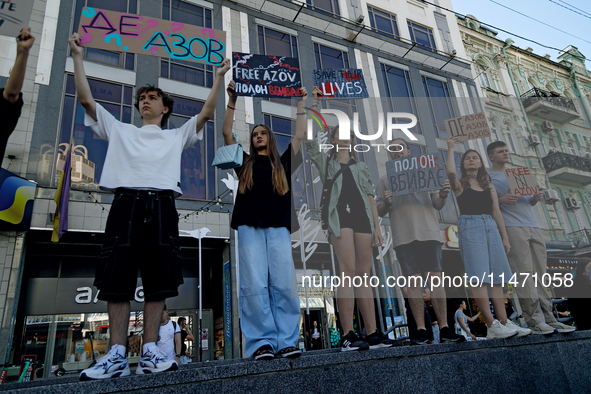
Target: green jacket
[{"x": 360, "y": 175}]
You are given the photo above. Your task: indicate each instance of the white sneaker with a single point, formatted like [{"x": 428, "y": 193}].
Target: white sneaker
[
  {"x": 560, "y": 327},
  {"x": 499, "y": 331},
  {"x": 521, "y": 332},
  {"x": 153, "y": 361},
  {"x": 111, "y": 365},
  {"x": 542, "y": 329}
]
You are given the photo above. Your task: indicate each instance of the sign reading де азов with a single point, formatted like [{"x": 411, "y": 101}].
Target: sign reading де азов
[
  {"x": 415, "y": 174},
  {"x": 266, "y": 76},
  {"x": 340, "y": 82},
  {"x": 468, "y": 127},
  {"x": 122, "y": 32}
]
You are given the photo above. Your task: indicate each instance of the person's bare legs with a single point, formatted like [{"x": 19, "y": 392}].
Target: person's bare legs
[
  {"x": 481, "y": 297},
  {"x": 118, "y": 322},
  {"x": 414, "y": 294},
  {"x": 344, "y": 248},
  {"x": 495, "y": 293},
  {"x": 365, "y": 296},
  {"x": 152, "y": 318},
  {"x": 439, "y": 301}
]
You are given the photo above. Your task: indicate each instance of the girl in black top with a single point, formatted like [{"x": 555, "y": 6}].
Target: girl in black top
[
  {"x": 483, "y": 239},
  {"x": 264, "y": 216}
]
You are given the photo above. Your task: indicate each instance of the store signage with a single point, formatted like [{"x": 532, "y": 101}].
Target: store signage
[
  {"x": 123, "y": 32},
  {"x": 227, "y": 312},
  {"x": 14, "y": 15},
  {"x": 340, "y": 82},
  {"x": 266, "y": 76},
  {"x": 468, "y": 127},
  {"x": 84, "y": 295},
  {"x": 414, "y": 174},
  {"x": 53, "y": 296},
  {"x": 17, "y": 196},
  {"x": 451, "y": 237}
]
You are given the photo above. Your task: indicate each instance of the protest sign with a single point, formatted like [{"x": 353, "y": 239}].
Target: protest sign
[
  {"x": 521, "y": 181},
  {"x": 468, "y": 127},
  {"x": 415, "y": 174},
  {"x": 266, "y": 76},
  {"x": 122, "y": 32},
  {"x": 14, "y": 15},
  {"x": 341, "y": 82}
]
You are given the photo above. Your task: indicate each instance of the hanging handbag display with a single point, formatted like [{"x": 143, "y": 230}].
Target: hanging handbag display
[
  {"x": 325, "y": 196},
  {"x": 229, "y": 156}
]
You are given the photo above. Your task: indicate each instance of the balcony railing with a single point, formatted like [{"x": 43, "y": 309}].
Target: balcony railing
[
  {"x": 568, "y": 168},
  {"x": 558, "y": 160},
  {"x": 534, "y": 95},
  {"x": 580, "y": 238}
]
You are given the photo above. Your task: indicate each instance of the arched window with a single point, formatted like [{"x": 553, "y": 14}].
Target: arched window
[{"x": 482, "y": 75}]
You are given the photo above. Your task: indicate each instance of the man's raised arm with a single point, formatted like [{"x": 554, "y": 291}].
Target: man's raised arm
[
  {"x": 212, "y": 100},
  {"x": 82, "y": 86},
  {"x": 13, "y": 87}
]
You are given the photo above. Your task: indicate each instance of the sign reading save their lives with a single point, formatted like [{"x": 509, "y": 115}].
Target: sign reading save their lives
[
  {"x": 468, "y": 127},
  {"x": 340, "y": 82},
  {"x": 122, "y": 32},
  {"x": 521, "y": 181},
  {"x": 415, "y": 174},
  {"x": 266, "y": 76},
  {"x": 14, "y": 15}
]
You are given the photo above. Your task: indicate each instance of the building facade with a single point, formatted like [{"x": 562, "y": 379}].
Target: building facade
[{"x": 412, "y": 58}]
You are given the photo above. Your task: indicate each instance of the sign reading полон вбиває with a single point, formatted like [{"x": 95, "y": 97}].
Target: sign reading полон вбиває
[
  {"x": 340, "y": 82},
  {"x": 123, "y": 32},
  {"x": 266, "y": 76},
  {"x": 415, "y": 174},
  {"x": 14, "y": 15}
]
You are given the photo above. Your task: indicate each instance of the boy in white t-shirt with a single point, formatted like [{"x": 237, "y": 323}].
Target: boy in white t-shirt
[
  {"x": 169, "y": 341},
  {"x": 142, "y": 168}
]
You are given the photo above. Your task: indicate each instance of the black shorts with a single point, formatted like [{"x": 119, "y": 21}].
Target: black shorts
[
  {"x": 419, "y": 257},
  {"x": 141, "y": 234},
  {"x": 354, "y": 218}
]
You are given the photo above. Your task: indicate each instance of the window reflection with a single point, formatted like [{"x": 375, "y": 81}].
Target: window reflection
[{"x": 181, "y": 70}]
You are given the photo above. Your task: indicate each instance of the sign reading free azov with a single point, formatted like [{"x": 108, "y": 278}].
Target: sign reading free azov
[{"x": 415, "y": 174}]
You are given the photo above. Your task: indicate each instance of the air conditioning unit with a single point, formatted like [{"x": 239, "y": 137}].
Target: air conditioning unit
[
  {"x": 547, "y": 126},
  {"x": 571, "y": 203},
  {"x": 533, "y": 140},
  {"x": 551, "y": 196}
]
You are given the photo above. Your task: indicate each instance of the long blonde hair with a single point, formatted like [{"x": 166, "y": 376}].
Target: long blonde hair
[{"x": 279, "y": 179}]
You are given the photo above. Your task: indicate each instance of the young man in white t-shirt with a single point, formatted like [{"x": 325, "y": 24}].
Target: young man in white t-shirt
[
  {"x": 142, "y": 167},
  {"x": 169, "y": 341}
]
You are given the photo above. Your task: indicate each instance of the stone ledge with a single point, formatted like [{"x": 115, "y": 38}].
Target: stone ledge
[{"x": 531, "y": 364}]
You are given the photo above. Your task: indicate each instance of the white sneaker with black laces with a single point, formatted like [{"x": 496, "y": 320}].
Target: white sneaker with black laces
[
  {"x": 111, "y": 365},
  {"x": 153, "y": 361}
]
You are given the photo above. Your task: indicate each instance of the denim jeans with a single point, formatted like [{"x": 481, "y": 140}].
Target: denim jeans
[
  {"x": 269, "y": 303},
  {"x": 482, "y": 249}
]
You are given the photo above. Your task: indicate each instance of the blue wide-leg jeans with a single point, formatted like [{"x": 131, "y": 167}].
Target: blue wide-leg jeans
[{"x": 269, "y": 303}]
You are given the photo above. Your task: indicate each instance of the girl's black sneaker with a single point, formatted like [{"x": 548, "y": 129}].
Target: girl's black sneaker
[
  {"x": 264, "y": 353},
  {"x": 352, "y": 342}
]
